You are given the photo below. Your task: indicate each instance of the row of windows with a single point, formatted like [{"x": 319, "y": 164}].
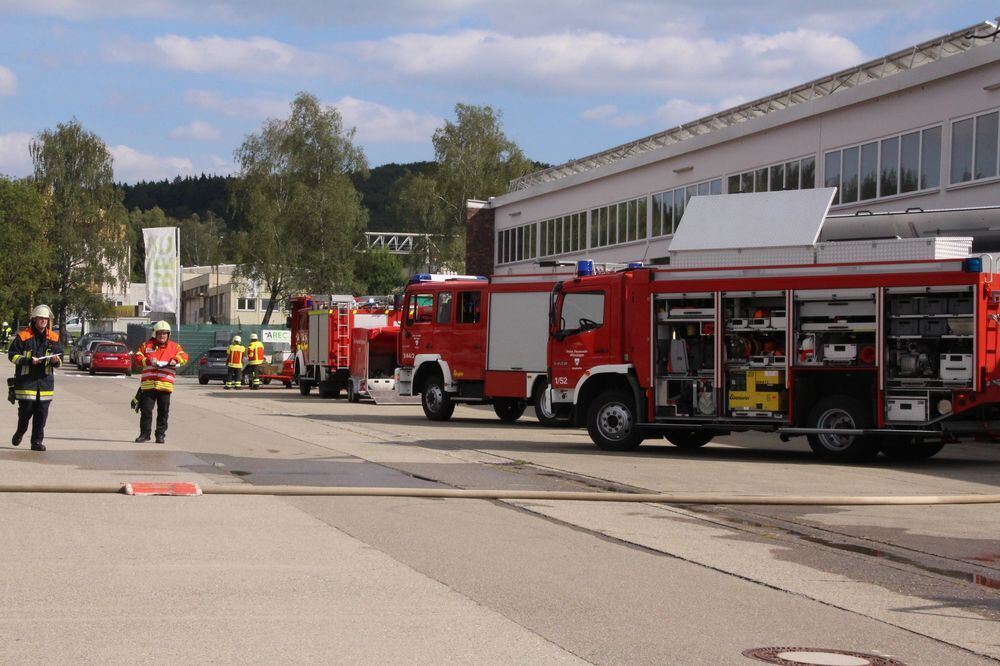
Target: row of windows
[
  {"x": 895, "y": 165},
  {"x": 517, "y": 243},
  {"x": 793, "y": 175},
  {"x": 250, "y": 304}
]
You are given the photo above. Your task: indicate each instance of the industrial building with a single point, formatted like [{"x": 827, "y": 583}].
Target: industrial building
[{"x": 916, "y": 130}]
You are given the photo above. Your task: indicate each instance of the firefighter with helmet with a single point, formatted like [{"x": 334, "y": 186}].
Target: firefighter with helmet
[
  {"x": 36, "y": 353},
  {"x": 158, "y": 358},
  {"x": 6, "y": 335},
  {"x": 235, "y": 355},
  {"x": 255, "y": 359}
]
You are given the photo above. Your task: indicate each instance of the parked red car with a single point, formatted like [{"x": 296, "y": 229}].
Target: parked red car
[{"x": 111, "y": 357}]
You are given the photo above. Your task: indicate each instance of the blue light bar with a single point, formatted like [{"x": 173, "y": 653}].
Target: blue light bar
[
  {"x": 973, "y": 265},
  {"x": 420, "y": 277},
  {"x": 584, "y": 267},
  {"x": 632, "y": 265}
]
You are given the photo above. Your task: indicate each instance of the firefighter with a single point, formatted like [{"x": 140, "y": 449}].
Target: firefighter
[
  {"x": 235, "y": 355},
  {"x": 36, "y": 352},
  {"x": 255, "y": 359},
  {"x": 6, "y": 336},
  {"x": 159, "y": 357}
]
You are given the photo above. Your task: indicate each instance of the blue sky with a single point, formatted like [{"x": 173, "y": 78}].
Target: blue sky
[{"x": 174, "y": 86}]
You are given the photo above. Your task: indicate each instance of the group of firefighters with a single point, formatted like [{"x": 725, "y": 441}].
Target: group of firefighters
[{"x": 36, "y": 351}]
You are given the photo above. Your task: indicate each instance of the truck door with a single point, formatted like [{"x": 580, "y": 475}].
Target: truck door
[
  {"x": 468, "y": 331},
  {"x": 582, "y": 335},
  {"x": 417, "y": 337}
]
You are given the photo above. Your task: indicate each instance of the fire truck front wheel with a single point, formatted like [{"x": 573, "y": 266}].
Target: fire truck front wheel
[
  {"x": 611, "y": 422},
  {"x": 841, "y": 412},
  {"x": 436, "y": 402},
  {"x": 509, "y": 410},
  {"x": 909, "y": 448}
]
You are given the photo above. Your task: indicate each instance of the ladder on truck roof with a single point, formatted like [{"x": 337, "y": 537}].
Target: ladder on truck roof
[{"x": 342, "y": 340}]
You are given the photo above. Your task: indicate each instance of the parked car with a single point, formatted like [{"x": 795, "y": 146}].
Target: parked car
[
  {"x": 76, "y": 351},
  {"x": 212, "y": 365},
  {"x": 86, "y": 355},
  {"x": 111, "y": 357}
]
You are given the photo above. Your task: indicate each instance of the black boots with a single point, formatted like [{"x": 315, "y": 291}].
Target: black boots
[
  {"x": 38, "y": 447},
  {"x": 141, "y": 438},
  {"x": 16, "y": 439}
]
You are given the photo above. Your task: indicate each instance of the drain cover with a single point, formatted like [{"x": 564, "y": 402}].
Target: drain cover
[{"x": 802, "y": 656}]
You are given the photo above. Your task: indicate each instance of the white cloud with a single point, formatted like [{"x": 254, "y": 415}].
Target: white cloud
[
  {"x": 8, "y": 82},
  {"x": 601, "y": 62},
  {"x": 376, "y": 122},
  {"x": 600, "y": 112},
  {"x": 131, "y": 166},
  {"x": 246, "y": 107},
  {"x": 195, "y": 131},
  {"x": 15, "y": 160},
  {"x": 252, "y": 55}
]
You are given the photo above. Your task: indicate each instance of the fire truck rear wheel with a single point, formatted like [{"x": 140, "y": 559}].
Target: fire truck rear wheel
[
  {"x": 542, "y": 402},
  {"x": 509, "y": 410},
  {"x": 904, "y": 449},
  {"x": 305, "y": 388},
  {"x": 611, "y": 422},
  {"x": 689, "y": 439},
  {"x": 328, "y": 390},
  {"x": 841, "y": 412},
  {"x": 436, "y": 402}
]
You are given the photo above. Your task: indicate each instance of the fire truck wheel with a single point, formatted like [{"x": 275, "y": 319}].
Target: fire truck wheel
[
  {"x": 509, "y": 410},
  {"x": 287, "y": 384},
  {"x": 436, "y": 402},
  {"x": 352, "y": 395},
  {"x": 903, "y": 449},
  {"x": 836, "y": 412},
  {"x": 542, "y": 402},
  {"x": 328, "y": 390},
  {"x": 305, "y": 388},
  {"x": 689, "y": 439},
  {"x": 611, "y": 422}
]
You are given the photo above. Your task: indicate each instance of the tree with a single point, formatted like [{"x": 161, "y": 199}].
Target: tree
[
  {"x": 417, "y": 202},
  {"x": 87, "y": 223},
  {"x": 381, "y": 272},
  {"x": 304, "y": 216},
  {"x": 475, "y": 161},
  {"x": 25, "y": 255}
]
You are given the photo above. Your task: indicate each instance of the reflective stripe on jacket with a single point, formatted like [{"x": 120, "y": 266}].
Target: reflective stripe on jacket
[
  {"x": 34, "y": 382},
  {"x": 152, "y": 358},
  {"x": 255, "y": 353},
  {"x": 234, "y": 355}
]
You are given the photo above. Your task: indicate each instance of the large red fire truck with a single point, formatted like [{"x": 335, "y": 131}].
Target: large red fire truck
[
  {"x": 477, "y": 340},
  {"x": 321, "y": 337},
  {"x": 860, "y": 351}
]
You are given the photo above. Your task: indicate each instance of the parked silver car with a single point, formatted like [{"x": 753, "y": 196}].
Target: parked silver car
[
  {"x": 76, "y": 351},
  {"x": 83, "y": 362}
]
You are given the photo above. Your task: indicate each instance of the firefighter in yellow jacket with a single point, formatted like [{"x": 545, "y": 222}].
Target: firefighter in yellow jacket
[
  {"x": 36, "y": 353},
  {"x": 255, "y": 359},
  {"x": 235, "y": 355},
  {"x": 159, "y": 357}
]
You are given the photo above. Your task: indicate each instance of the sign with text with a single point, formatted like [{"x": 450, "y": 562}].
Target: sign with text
[
  {"x": 162, "y": 265},
  {"x": 275, "y": 336}
]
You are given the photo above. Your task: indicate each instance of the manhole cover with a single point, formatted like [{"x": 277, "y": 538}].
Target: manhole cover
[{"x": 801, "y": 656}]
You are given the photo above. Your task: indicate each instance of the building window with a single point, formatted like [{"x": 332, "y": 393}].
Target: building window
[
  {"x": 246, "y": 304},
  {"x": 895, "y": 165},
  {"x": 791, "y": 175},
  {"x": 618, "y": 223},
  {"x": 974, "y": 148},
  {"x": 517, "y": 243},
  {"x": 567, "y": 233},
  {"x": 668, "y": 207}
]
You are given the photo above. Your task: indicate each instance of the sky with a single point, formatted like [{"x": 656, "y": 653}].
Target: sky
[{"x": 173, "y": 87}]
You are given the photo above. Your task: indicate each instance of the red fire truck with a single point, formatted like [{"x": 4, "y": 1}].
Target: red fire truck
[
  {"x": 321, "y": 337},
  {"x": 897, "y": 356},
  {"x": 479, "y": 341}
]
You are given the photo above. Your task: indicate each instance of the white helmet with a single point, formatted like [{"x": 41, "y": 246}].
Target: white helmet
[
  {"x": 42, "y": 311},
  {"x": 253, "y": 336},
  {"x": 161, "y": 326},
  {"x": 5, "y": 324},
  {"x": 237, "y": 339}
]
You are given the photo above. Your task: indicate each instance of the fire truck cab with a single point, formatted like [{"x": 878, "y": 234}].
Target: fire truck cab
[{"x": 887, "y": 345}]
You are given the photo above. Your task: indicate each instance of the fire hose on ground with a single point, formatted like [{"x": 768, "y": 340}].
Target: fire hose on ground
[{"x": 540, "y": 495}]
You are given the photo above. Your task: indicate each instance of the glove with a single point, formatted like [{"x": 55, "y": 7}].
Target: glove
[
  {"x": 10, "y": 390},
  {"x": 136, "y": 399}
]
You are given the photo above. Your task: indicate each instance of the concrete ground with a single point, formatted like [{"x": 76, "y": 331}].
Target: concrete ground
[{"x": 236, "y": 579}]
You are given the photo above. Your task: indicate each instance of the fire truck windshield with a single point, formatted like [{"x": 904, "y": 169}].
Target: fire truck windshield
[{"x": 581, "y": 311}]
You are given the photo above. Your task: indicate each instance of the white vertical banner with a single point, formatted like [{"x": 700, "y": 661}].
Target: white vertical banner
[{"x": 162, "y": 268}]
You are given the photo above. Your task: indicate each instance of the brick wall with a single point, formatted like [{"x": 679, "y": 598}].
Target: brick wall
[{"x": 479, "y": 235}]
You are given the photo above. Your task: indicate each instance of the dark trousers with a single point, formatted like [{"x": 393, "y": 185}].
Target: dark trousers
[
  {"x": 253, "y": 375},
  {"x": 235, "y": 377},
  {"x": 35, "y": 411},
  {"x": 161, "y": 399}
]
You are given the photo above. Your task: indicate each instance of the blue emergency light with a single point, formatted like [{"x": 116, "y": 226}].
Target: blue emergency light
[
  {"x": 420, "y": 277},
  {"x": 972, "y": 265},
  {"x": 584, "y": 267},
  {"x": 632, "y": 265}
]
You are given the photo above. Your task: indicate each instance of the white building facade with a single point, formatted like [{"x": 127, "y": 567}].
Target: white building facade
[{"x": 918, "y": 129}]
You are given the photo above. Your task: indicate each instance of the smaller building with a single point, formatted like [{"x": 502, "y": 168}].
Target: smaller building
[{"x": 214, "y": 295}]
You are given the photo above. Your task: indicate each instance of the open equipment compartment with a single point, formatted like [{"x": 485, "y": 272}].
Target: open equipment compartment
[
  {"x": 756, "y": 359},
  {"x": 685, "y": 355}
]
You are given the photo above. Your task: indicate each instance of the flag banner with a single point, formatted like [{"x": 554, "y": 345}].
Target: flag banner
[{"x": 162, "y": 265}]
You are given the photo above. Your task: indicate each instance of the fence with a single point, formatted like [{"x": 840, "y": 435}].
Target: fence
[{"x": 199, "y": 338}]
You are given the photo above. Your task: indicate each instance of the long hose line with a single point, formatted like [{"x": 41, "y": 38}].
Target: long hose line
[{"x": 541, "y": 495}]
